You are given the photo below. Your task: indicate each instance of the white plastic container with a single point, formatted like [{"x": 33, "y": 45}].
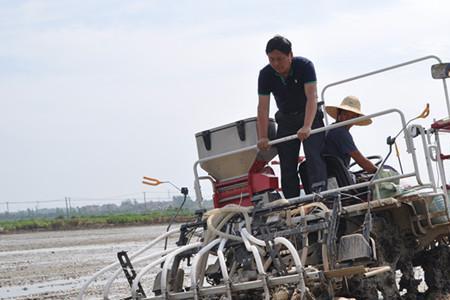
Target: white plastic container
[{"x": 230, "y": 137}]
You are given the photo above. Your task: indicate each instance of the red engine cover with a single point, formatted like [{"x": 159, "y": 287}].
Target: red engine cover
[{"x": 240, "y": 190}]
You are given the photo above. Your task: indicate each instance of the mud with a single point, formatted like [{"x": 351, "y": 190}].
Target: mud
[{"x": 53, "y": 265}]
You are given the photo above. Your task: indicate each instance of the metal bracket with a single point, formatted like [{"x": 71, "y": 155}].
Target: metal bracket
[{"x": 129, "y": 271}]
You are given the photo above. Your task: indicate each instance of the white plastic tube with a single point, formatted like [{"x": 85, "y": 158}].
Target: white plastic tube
[
  {"x": 225, "y": 213},
  {"x": 255, "y": 252},
  {"x": 119, "y": 271},
  {"x": 252, "y": 238},
  {"x": 195, "y": 263},
  {"x": 216, "y": 231},
  {"x": 233, "y": 209},
  {"x": 305, "y": 207},
  {"x": 259, "y": 264},
  {"x": 223, "y": 265},
  {"x": 168, "y": 261},
  {"x": 296, "y": 257},
  {"x": 288, "y": 245},
  {"x": 114, "y": 265},
  {"x": 136, "y": 281}
]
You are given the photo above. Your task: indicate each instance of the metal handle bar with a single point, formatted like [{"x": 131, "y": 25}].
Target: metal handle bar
[
  {"x": 408, "y": 139},
  {"x": 322, "y": 95}
]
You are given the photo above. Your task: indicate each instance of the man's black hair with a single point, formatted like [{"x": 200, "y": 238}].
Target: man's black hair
[{"x": 279, "y": 43}]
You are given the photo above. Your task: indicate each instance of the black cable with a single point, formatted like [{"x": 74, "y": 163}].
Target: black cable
[
  {"x": 184, "y": 191},
  {"x": 390, "y": 141},
  {"x": 367, "y": 224}
]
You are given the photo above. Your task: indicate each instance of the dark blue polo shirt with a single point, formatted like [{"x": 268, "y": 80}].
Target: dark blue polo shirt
[
  {"x": 339, "y": 142},
  {"x": 289, "y": 93}
]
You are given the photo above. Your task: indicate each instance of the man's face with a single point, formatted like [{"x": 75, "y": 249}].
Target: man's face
[
  {"x": 345, "y": 115},
  {"x": 280, "y": 62}
]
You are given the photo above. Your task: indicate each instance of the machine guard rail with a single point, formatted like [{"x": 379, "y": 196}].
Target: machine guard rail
[
  {"x": 409, "y": 146},
  {"x": 322, "y": 95}
]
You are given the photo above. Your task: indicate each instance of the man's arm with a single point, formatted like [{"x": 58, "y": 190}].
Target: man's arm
[
  {"x": 363, "y": 162},
  {"x": 310, "y": 111},
  {"x": 263, "y": 121}
]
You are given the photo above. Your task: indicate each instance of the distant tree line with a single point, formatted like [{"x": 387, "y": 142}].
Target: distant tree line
[{"x": 126, "y": 206}]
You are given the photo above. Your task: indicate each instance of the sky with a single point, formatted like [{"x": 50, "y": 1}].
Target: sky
[{"x": 96, "y": 94}]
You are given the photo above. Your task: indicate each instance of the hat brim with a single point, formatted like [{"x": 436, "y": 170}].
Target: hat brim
[{"x": 333, "y": 111}]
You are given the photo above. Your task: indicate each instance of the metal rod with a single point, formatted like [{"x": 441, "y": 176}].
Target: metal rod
[
  {"x": 236, "y": 287},
  {"x": 446, "y": 96},
  {"x": 426, "y": 151},
  {"x": 442, "y": 172},
  {"x": 377, "y": 271},
  {"x": 388, "y": 69},
  {"x": 300, "y": 199},
  {"x": 322, "y": 95},
  {"x": 408, "y": 139}
]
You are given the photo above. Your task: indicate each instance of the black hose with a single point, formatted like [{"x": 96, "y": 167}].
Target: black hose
[{"x": 184, "y": 191}]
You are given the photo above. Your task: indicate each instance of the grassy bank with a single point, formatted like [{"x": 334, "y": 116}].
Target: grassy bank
[{"x": 80, "y": 222}]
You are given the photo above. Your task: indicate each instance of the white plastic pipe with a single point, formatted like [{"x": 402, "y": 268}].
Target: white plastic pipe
[
  {"x": 168, "y": 261},
  {"x": 252, "y": 238},
  {"x": 255, "y": 252},
  {"x": 114, "y": 265},
  {"x": 216, "y": 232},
  {"x": 291, "y": 248},
  {"x": 141, "y": 273},
  {"x": 119, "y": 271},
  {"x": 195, "y": 261},
  {"x": 296, "y": 257},
  {"x": 232, "y": 208},
  {"x": 259, "y": 264},
  {"x": 223, "y": 265},
  {"x": 288, "y": 245}
]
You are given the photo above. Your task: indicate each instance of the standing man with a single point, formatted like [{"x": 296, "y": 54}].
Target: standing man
[{"x": 292, "y": 81}]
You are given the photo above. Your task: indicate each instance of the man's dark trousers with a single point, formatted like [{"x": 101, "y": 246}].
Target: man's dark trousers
[{"x": 288, "y": 152}]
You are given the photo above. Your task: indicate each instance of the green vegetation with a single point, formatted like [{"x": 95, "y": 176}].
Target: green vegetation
[{"x": 79, "y": 222}]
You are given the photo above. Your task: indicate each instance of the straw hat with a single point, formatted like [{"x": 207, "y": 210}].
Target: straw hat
[{"x": 350, "y": 103}]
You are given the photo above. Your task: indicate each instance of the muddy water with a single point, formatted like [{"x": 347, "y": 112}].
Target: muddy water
[{"x": 53, "y": 265}]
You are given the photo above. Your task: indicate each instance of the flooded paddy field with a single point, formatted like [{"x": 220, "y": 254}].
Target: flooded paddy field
[{"x": 54, "y": 265}]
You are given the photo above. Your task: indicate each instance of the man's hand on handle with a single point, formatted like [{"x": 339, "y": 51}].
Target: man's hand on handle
[
  {"x": 263, "y": 144},
  {"x": 303, "y": 133}
]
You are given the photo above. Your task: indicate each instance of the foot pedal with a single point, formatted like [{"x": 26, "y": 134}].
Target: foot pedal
[{"x": 130, "y": 273}]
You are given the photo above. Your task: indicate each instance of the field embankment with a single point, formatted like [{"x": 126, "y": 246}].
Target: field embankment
[{"x": 103, "y": 221}]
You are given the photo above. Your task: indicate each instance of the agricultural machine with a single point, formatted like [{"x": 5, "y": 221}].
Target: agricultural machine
[{"x": 364, "y": 238}]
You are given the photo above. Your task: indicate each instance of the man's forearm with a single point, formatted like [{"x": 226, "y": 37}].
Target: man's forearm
[
  {"x": 263, "y": 117},
  {"x": 310, "y": 112},
  {"x": 363, "y": 162},
  {"x": 262, "y": 124},
  {"x": 311, "y": 104}
]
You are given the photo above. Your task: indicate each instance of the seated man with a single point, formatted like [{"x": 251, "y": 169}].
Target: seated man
[{"x": 339, "y": 142}]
